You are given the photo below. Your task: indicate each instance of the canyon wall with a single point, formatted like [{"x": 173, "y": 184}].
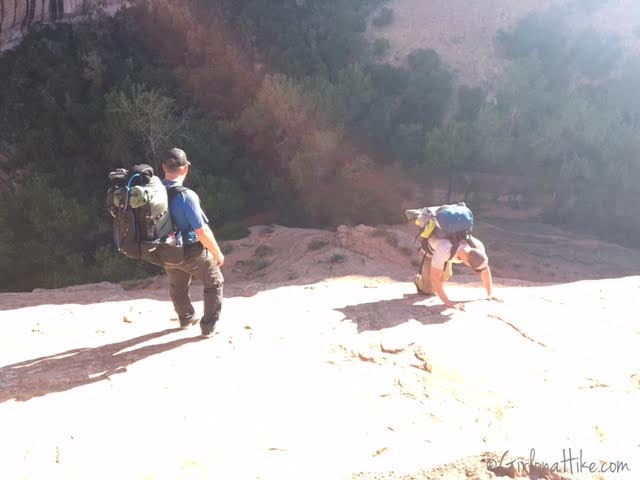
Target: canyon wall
[{"x": 17, "y": 16}]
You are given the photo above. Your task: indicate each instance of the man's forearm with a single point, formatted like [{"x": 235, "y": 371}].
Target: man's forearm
[
  {"x": 436, "y": 282},
  {"x": 205, "y": 236},
  {"x": 487, "y": 281}
]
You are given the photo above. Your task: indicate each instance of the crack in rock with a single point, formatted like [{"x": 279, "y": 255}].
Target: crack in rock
[{"x": 523, "y": 334}]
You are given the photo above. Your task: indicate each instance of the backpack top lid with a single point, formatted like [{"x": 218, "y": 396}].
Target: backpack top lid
[
  {"x": 454, "y": 219},
  {"x": 443, "y": 221},
  {"x": 119, "y": 177},
  {"x": 145, "y": 171}
]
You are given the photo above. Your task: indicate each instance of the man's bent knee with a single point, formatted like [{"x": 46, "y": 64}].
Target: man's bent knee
[{"x": 422, "y": 286}]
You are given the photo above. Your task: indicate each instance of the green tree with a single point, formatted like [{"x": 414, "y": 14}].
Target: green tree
[
  {"x": 470, "y": 101},
  {"x": 44, "y": 237},
  {"x": 619, "y": 94},
  {"x": 541, "y": 33},
  {"x": 355, "y": 93},
  {"x": 493, "y": 145},
  {"x": 380, "y": 48},
  {"x": 383, "y": 18},
  {"x": 448, "y": 149},
  {"x": 221, "y": 198},
  {"x": 145, "y": 117},
  {"x": 408, "y": 144},
  {"x": 428, "y": 91}
]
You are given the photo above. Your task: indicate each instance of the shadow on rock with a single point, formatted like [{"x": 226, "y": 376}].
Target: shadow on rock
[
  {"x": 389, "y": 313},
  {"x": 82, "y": 366}
]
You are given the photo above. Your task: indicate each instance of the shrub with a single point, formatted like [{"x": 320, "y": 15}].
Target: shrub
[
  {"x": 389, "y": 237},
  {"x": 222, "y": 198},
  {"x": 261, "y": 265},
  {"x": 407, "y": 251},
  {"x": 337, "y": 258},
  {"x": 112, "y": 266},
  {"x": 226, "y": 249},
  {"x": 317, "y": 244},
  {"x": 43, "y": 237},
  {"x": 232, "y": 231},
  {"x": 263, "y": 250},
  {"x": 383, "y": 18}
]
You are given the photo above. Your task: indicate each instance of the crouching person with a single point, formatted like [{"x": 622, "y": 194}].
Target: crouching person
[{"x": 445, "y": 239}]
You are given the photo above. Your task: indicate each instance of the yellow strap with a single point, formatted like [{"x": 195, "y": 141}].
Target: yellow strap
[{"x": 426, "y": 233}]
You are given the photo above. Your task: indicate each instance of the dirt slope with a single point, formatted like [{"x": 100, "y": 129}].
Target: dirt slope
[{"x": 326, "y": 365}]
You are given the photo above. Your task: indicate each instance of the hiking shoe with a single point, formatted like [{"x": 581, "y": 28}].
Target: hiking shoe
[
  {"x": 188, "y": 322},
  {"x": 207, "y": 330}
]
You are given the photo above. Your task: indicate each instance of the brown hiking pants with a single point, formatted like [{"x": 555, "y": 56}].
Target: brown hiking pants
[
  {"x": 198, "y": 262},
  {"x": 423, "y": 279}
]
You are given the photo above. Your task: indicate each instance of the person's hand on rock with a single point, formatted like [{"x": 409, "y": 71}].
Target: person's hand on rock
[{"x": 457, "y": 306}]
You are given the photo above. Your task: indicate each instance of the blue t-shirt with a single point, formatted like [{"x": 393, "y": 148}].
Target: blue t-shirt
[{"x": 187, "y": 213}]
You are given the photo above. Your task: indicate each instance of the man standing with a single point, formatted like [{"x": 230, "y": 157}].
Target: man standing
[{"x": 202, "y": 255}]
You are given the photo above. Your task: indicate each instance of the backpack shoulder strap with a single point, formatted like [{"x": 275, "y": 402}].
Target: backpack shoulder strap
[
  {"x": 470, "y": 241},
  {"x": 456, "y": 240},
  {"x": 455, "y": 244},
  {"x": 174, "y": 191}
]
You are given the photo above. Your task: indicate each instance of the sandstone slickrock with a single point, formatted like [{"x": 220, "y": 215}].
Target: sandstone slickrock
[{"x": 322, "y": 377}]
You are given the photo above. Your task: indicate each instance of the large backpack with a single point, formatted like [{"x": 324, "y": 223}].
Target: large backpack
[
  {"x": 452, "y": 222},
  {"x": 142, "y": 223}
]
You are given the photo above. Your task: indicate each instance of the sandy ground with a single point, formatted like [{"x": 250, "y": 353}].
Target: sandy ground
[{"x": 327, "y": 365}]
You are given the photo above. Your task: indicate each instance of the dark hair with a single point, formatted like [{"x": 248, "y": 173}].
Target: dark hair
[{"x": 175, "y": 159}]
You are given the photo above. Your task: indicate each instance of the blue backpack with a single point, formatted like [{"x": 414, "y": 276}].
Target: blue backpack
[{"x": 454, "y": 220}]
